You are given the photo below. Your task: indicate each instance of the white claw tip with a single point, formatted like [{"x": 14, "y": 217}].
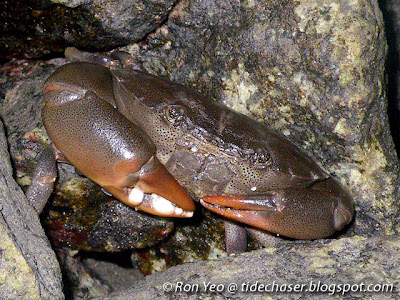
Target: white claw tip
[
  {"x": 162, "y": 205},
  {"x": 167, "y": 208},
  {"x": 179, "y": 211},
  {"x": 135, "y": 196},
  {"x": 187, "y": 214}
]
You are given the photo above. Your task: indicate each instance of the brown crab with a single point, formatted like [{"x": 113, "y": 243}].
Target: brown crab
[{"x": 150, "y": 142}]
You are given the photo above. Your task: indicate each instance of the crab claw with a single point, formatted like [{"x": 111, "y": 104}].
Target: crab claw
[
  {"x": 248, "y": 210},
  {"x": 157, "y": 192},
  {"x": 317, "y": 212},
  {"x": 105, "y": 146}
]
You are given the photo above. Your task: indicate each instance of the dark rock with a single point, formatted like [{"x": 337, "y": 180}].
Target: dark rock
[
  {"x": 115, "y": 275},
  {"x": 391, "y": 16},
  {"x": 199, "y": 238},
  {"x": 34, "y": 28}
]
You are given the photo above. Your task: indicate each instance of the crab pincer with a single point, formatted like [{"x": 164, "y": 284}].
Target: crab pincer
[{"x": 105, "y": 146}]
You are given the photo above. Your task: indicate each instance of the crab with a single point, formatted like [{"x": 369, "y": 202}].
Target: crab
[{"x": 156, "y": 145}]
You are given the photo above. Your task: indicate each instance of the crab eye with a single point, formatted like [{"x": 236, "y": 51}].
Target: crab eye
[
  {"x": 175, "y": 114},
  {"x": 260, "y": 158}
]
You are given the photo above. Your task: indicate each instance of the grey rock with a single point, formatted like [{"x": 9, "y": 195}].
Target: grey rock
[
  {"x": 28, "y": 265},
  {"x": 34, "y": 28},
  {"x": 312, "y": 70},
  {"x": 114, "y": 276},
  {"x": 121, "y": 21},
  {"x": 72, "y": 3},
  {"x": 322, "y": 270}
]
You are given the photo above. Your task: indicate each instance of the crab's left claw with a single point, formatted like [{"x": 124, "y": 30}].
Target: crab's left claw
[{"x": 315, "y": 212}]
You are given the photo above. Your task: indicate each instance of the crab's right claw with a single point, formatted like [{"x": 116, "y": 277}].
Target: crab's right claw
[
  {"x": 156, "y": 192},
  {"x": 104, "y": 145}
]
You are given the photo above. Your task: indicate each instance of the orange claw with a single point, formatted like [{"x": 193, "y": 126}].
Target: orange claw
[
  {"x": 155, "y": 179},
  {"x": 316, "y": 212},
  {"x": 155, "y": 192},
  {"x": 240, "y": 209},
  {"x": 251, "y": 217},
  {"x": 105, "y": 145}
]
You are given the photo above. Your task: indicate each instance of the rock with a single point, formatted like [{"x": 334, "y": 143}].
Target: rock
[
  {"x": 29, "y": 268},
  {"x": 34, "y": 28},
  {"x": 312, "y": 70},
  {"x": 391, "y": 16},
  {"x": 340, "y": 268}
]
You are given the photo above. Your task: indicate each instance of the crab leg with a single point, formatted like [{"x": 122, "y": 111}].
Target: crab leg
[
  {"x": 235, "y": 237},
  {"x": 42, "y": 180}
]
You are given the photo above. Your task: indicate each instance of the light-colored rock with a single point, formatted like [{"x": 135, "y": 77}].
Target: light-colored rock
[
  {"x": 338, "y": 269},
  {"x": 29, "y": 268}
]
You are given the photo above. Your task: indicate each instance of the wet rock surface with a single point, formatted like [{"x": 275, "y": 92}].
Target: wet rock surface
[
  {"x": 35, "y": 28},
  {"x": 28, "y": 265},
  {"x": 312, "y": 266},
  {"x": 313, "y": 70}
]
